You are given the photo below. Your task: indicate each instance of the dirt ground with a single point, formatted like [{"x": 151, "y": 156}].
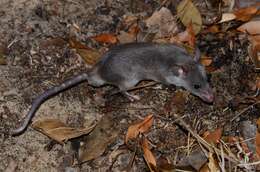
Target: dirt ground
[{"x": 32, "y": 67}]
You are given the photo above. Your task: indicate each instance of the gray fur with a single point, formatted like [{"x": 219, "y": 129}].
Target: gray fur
[{"x": 125, "y": 65}]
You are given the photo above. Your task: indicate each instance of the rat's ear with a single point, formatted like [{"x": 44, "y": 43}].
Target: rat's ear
[
  {"x": 181, "y": 70},
  {"x": 197, "y": 54}
]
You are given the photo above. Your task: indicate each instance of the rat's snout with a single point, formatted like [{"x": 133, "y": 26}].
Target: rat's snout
[{"x": 207, "y": 95}]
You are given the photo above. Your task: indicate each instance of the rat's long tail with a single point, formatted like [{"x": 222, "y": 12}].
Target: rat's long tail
[{"x": 46, "y": 95}]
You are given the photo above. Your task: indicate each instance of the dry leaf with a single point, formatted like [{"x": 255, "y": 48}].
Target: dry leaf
[
  {"x": 211, "y": 165},
  {"x": 2, "y": 60},
  {"x": 57, "y": 42},
  {"x": 2, "y": 55},
  {"x": 187, "y": 36},
  {"x": 258, "y": 82},
  {"x": 245, "y": 14},
  {"x": 257, "y": 138},
  {"x": 125, "y": 37},
  {"x": 97, "y": 141},
  {"x": 134, "y": 29},
  {"x": 227, "y": 17},
  {"x": 176, "y": 103},
  {"x": 164, "y": 165},
  {"x": 205, "y": 60},
  {"x": 58, "y": 131},
  {"x": 213, "y": 137},
  {"x": 212, "y": 29},
  {"x": 162, "y": 23},
  {"x": 105, "y": 38},
  {"x": 134, "y": 130},
  {"x": 188, "y": 13},
  {"x": 73, "y": 43},
  {"x": 89, "y": 55},
  {"x": 252, "y": 27},
  {"x": 148, "y": 155},
  {"x": 254, "y": 50}
]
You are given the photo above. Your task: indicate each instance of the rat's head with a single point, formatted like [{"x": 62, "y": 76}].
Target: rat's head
[{"x": 191, "y": 75}]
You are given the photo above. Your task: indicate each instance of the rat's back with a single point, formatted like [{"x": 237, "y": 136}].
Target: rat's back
[{"x": 139, "y": 61}]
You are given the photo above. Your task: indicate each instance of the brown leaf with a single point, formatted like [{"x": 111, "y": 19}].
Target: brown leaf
[
  {"x": 141, "y": 127},
  {"x": 206, "y": 61},
  {"x": 164, "y": 165},
  {"x": 212, "y": 29},
  {"x": 89, "y": 55},
  {"x": 213, "y": 137},
  {"x": 57, "y": 42},
  {"x": 245, "y": 14},
  {"x": 258, "y": 82},
  {"x": 187, "y": 36},
  {"x": 148, "y": 155},
  {"x": 188, "y": 13},
  {"x": 162, "y": 23},
  {"x": 227, "y": 17},
  {"x": 97, "y": 141},
  {"x": 105, "y": 38},
  {"x": 58, "y": 131},
  {"x": 176, "y": 102},
  {"x": 125, "y": 37},
  {"x": 254, "y": 50},
  {"x": 252, "y": 27},
  {"x": 3, "y": 50},
  {"x": 211, "y": 165},
  {"x": 73, "y": 43},
  {"x": 134, "y": 29},
  {"x": 257, "y": 138}
]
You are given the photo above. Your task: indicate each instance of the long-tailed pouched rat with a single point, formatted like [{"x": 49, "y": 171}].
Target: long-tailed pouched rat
[{"x": 125, "y": 65}]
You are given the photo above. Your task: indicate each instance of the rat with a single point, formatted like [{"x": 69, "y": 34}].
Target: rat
[{"x": 124, "y": 66}]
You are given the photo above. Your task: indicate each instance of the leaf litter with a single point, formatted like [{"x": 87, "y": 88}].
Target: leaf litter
[{"x": 162, "y": 26}]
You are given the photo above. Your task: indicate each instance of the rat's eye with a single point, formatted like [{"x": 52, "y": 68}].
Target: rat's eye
[{"x": 196, "y": 86}]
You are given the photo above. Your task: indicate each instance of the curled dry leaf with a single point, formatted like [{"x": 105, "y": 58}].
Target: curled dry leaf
[
  {"x": 105, "y": 38},
  {"x": 148, "y": 155},
  {"x": 58, "y": 131},
  {"x": 213, "y": 137},
  {"x": 188, "y": 13},
  {"x": 245, "y": 14},
  {"x": 134, "y": 130}
]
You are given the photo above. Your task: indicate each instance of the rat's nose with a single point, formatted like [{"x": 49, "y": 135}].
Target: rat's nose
[{"x": 207, "y": 95}]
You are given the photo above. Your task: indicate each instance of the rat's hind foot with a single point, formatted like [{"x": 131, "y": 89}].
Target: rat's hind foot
[{"x": 131, "y": 97}]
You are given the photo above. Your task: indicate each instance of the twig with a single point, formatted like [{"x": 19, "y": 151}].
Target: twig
[
  {"x": 244, "y": 110},
  {"x": 202, "y": 141}
]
